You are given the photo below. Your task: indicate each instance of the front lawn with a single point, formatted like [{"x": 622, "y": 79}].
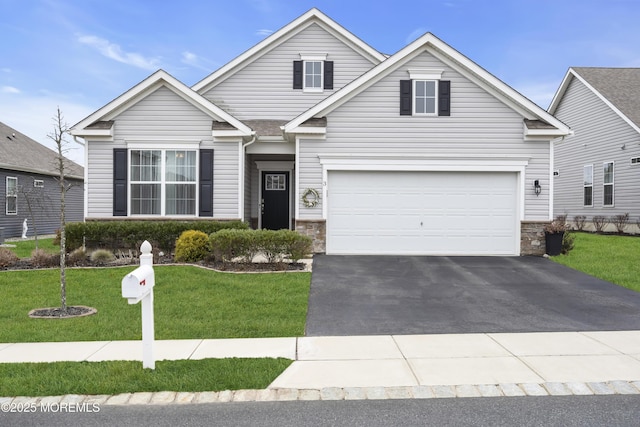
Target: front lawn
[
  {"x": 95, "y": 378},
  {"x": 24, "y": 248},
  {"x": 608, "y": 257},
  {"x": 189, "y": 302}
]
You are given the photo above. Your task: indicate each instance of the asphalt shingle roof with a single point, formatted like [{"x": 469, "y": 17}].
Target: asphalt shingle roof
[
  {"x": 621, "y": 86},
  {"x": 21, "y": 153}
]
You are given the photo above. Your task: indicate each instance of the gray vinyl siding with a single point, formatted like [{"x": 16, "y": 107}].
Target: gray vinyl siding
[
  {"x": 263, "y": 89},
  {"x": 44, "y": 217},
  {"x": 479, "y": 124},
  {"x": 599, "y": 135},
  {"x": 162, "y": 116}
]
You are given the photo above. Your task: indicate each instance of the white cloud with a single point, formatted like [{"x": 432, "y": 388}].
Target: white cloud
[
  {"x": 193, "y": 60},
  {"x": 115, "y": 52},
  {"x": 5, "y": 70},
  {"x": 10, "y": 89},
  {"x": 264, "y": 32}
]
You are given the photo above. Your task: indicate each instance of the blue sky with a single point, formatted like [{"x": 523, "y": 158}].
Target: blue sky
[{"x": 80, "y": 54}]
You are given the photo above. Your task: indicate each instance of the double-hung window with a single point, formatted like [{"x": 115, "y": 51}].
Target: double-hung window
[
  {"x": 11, "y": 195},
  {"x": 163, "y": 182},
  {"x": 588, "y": 185},
  {"x": 607, "y": 171},
  {"x": 425, "y": 100},
  {"x": 313, "y": 75}
]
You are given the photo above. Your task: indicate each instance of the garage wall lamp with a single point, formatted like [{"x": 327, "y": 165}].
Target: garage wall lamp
[{"x": 536, "y": 187}]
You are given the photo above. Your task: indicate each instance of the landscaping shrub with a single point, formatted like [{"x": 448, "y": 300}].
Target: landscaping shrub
[
  {"x": 297, "y": 245},
  {"x": 116, "y": 235},
  {"x": 7, "y": 258},
  {"x": 272, "y": 244},
  {"x": 42, "y": 258},
  {"x": 77, "y": 256},
  {"x": 102, "y": 256},
  {"x": 232, "y": 243},
  {"x": 192, "y": 246},
  {"x": 579, "y": 220},
  {"x": 599, "y": 222},
  {"x": 620, "y": 221},
  {"x": 567, "y": 242}
]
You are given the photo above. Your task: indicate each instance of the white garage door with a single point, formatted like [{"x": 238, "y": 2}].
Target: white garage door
[{"x": 425, "y": 213}]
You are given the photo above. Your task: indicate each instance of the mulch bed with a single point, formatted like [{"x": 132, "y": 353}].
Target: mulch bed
[{"x": 59, "y": 313}]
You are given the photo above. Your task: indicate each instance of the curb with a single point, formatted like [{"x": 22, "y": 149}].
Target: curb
[{"x": 330, "y": 393}]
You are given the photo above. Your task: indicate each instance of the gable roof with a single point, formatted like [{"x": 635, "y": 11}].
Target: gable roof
[
  {"x": 619, "y": 88},
  {"x": 100, "y": 122},
  {"x": 468, "y": 68},
  {"x": 20, "y": 153},
  {"x": 312, "y": 16}
]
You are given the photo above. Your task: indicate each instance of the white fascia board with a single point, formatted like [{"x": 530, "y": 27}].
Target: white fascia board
[
  {"x": 89, "y": 133},
  {"x": 446, "y": 53},
  {"x": 310, "y": 130},
  {"x": 295, "y": 26},
  {"x": 603, "y": 99},
  {"x": 557, "y": 97},
  {"x": 156, "y": 80}
]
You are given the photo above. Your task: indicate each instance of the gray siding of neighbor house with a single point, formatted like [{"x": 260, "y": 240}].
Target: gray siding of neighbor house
[
  {"x": 479, "y": 125},
  {"x": 45, "y": 204},
  {"x": 163, "y": 117},
  {"x": 263, "y": 89},
  {"x": 599, "y": 135}
]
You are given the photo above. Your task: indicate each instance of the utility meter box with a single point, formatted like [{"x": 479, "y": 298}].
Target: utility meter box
[{"x": 137, "y": 284}]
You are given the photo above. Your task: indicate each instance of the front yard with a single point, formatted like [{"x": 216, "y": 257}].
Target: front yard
[
  {"x": 612, "y": 258},
  {"x": 189, "y": 302}
]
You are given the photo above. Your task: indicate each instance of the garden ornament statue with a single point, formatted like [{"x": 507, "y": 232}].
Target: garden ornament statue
[{"x": 25, "y": 228}]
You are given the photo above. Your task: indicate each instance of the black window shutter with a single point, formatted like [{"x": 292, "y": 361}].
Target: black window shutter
[
  {"x": 206, "y": 183},
  {"x": 405, "y": 97},
  {"x": 328, "y": 75},
  {"x": 297, "y": 74},
  {"x": 119, "y": 182},
  {"x": 444, "y": 98}
]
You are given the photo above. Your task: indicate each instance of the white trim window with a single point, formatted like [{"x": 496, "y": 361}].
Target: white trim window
[
  {"x": 38, "y": 183},
  {"x": 425, "y": 99},
  {"x": 588, "y": 185},
  {"x": 608, "y": 190},
  {"x": 11, "y": 205},
  {"x": 163, "y": 182},
  {"x": 313, "y": 76}
]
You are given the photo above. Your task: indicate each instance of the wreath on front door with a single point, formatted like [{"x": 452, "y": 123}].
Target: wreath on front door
[{"x": 310, "y": 198}]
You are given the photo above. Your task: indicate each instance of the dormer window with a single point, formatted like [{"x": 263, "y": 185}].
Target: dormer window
[
  {"x": 313, "y": 73},
  {"x": 425, "y": 94}
]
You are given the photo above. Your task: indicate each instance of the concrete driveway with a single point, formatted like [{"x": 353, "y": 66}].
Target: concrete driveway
[{"x": 374, "y": 295}]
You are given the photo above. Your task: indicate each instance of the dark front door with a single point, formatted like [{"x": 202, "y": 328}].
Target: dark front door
[{"x": 275, "y": 200}]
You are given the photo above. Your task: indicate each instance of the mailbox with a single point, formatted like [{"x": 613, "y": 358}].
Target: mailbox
[{"x": 138, "y": 283}]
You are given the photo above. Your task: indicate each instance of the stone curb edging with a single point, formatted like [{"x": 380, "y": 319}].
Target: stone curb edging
[{"x": 337, "y": 393}]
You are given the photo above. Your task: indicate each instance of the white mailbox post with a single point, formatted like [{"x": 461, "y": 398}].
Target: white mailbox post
[{"x": 138, "y": 286}]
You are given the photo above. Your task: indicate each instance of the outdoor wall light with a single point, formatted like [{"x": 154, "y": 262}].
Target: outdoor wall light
[{"x": 536, "y": 187}]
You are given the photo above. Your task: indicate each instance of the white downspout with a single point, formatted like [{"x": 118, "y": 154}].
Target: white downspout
[{"x": 241, "y": 165}]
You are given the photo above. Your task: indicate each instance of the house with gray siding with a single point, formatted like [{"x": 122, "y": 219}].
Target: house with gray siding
[
  {"x": 29, "y": 189},
  {"x": 420, "y": 152},
  {"x": 597, "y": 170}
]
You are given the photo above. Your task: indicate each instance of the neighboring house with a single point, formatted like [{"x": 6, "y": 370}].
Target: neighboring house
[
  {"x": 420, "y": 152},
  {"x": 598, "y": 169},
  {"x": 29, "y": 187}
]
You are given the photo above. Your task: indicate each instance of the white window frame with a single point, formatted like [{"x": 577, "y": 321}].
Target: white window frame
[
  {"x": 585, "y": 185},
  {"x": 38, "y": 183},
  {"x": 610, "y": 184},
  {"x": 13, "y": 195},
  {"x": 163, "y": 182},
  {"x": 435, "y": 97},
  {"x": 312, "y": 58},
  {"x": 425, "y": 75}
]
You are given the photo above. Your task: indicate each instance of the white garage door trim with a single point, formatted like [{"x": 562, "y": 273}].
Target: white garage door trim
[{"x": 386, "y": 163}]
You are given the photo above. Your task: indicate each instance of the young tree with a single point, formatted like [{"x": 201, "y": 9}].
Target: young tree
[{"x": 58, "y": 136}]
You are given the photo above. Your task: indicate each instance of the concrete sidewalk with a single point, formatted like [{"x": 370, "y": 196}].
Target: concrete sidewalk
[{"x": 385, "y": 366}]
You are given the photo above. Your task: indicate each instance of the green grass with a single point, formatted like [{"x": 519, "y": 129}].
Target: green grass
[
  {"x": 189, "y": 302},
  {"x": 611, "y": 258},
  {"x": 24, "y": 248},
  {"x": 93, "y": 378}
]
